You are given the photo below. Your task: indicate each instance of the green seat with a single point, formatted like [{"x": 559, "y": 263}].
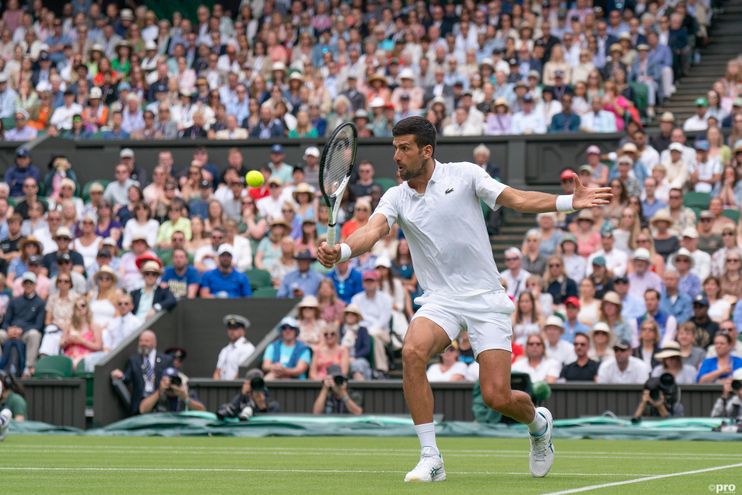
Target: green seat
[
  {"x": 265, "y": 293},
  {"x": 385, "y": 182},
  {"x": 86, "y": 188},
  {"x": 697, "y": 200},
  {"x": 259, "y": 278},
  {"x": 732, "y": 214},
  {"x": 88, "y": 377},
  {"x": 53, "y": 367}
]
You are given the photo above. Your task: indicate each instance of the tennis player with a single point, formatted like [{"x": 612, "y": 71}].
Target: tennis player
[{"x": 438, "y": 209}]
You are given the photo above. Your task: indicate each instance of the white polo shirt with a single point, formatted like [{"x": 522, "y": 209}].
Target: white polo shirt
[
  {"x": 636, "y": 372},
  {"x": 445, "y": 229},
  {"x": 232, "y": 356}
]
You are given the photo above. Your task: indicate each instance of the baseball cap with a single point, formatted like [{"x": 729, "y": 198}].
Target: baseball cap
[
  {"x": 28, "y": 277},
  {"x": 701, "y": 102},
  {"x": 667, "y": 117},
  {"x": 288, "y": 322},
  {"x": 701, "y": 145},
  {"x": 170, "y": 372},
  {"x": 21, "y": 152},
  {"x": 676, "y": 147},
  {"x": 690, "y": 232},
  {"x": 64, "y": 257},
  {"x": 622, "y": 344},
  {"x": 276, "y": 148},
  {"x": 599, "y": 261},
  {"x": 527, "y": 98},
  {"x": 700, "y": 300},
  {"x": 63, "y": 232},
  {"x": 35, "y": 259},
  {"x": 225, "y": 249},
  {"x": 567, "y": 174},
  {"x": 573, "y": 301},
  {"x": 126, "y": 153},
  {"x": 585, "y": 168},
  {"x": 554, "y": 321},
  {"x": 593, "y": 150},
  {"x": 312, "y": 151}
]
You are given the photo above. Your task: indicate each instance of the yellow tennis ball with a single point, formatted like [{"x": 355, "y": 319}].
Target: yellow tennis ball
[{"x": 254, "y": 178}]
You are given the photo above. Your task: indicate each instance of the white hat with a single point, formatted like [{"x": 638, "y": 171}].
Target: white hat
[
  {"x": 554, "y": 321},
  {"x": 3, "y": 77},
  {"x": 150, "y": 45},
  {"x": 43, "y": 87},
  {"x": 95, "y": 93},
  {"x": 126, "y": 153},
  {"x": 383, "y": 261},
  {"x": 278, "y": 66},
  {"x": 377, "y": 102},
  {"x": 690, "y": 232},
  {"x": 641, "y": 254},
  {"x": 407, "y": 74},
  {"x": 28, "y": 277},
  {"x": 312, "y": 151},
  {"x": 676, "y": 147},
  {"x": 737, "y": 375},
  {"x": 225, "y": 248}
]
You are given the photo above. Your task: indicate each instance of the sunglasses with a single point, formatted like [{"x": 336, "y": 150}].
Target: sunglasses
[
  {"x": 330, "y": 334},
  {"x": 727, "y": 234},
  {"x": 580, "y": 344},
  {"x": 732, "y": 260},
  {"x": 535, "y": 343},
  {"x": 64, "y": 281},
  {"x": 105, "y": 277},
  {"x": 555, "y": 265},
  {"x": 123, "y": 303},
  {"x": 151, "y": 274},
  {"x": 82, "y": 306},
  {"x": 511, "y": 259}
]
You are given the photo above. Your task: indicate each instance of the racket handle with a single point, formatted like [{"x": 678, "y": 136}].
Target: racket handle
[{"x": 331, "y": 235}]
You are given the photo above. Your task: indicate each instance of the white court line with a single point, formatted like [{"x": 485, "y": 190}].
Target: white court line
[
  {"x": 351, "y": 451},
  {"x": 641, "y": 480},
  {"x": 76, "y": 469}
]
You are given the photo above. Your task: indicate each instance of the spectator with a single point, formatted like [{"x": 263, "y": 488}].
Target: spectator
[
  {"x": 556, "y": 348},
  {"x": 310, "y": 324},
  {"x": 691, "y": 353},
  {"x": 533, "y": 260},
  {"x": 701, "y": 261},
  {"x": 176, "y": 221},
  {"x": 143, "y": 372},
  {"x": 361, "y": 214},
  {"x": 649, "y": 342},
  {"x": 697, "y": 122},
  {"x": 82, "y": 336},
  {"x": 717, "y": 369},
  {"x": 583, "y": 368},
  {"x": 329, "y": 354},
  {"x": 348, "y": 281},
  {"x": 120, "y": 327},
  {"x": 731, "y": 280},
  {"x": 689, "y": 282},
  {"x": 376, "y": 307},
  {"x": 602, "y": 340},
  {"x": 615, "y": 261},
  {"x": 566, "y": 120},
  {"x": 623, "y": 367},
  {"x": 224, "y": 281},
  {"x": 514, "y": 276},
  {"x": 182, "y": 279},
  {"x": 152, "y": 297},
  {"x": 682, "y": 216},
  {"x": 357, "y": 340},
  {"x": 574, "y": 264},
  {"x": 641, "y": 279},
  {"x": 528, "y": 121},
  {"x": 588, "y": 240},
  {"x": 287, "y": 357},
  {"x": 706, "y": 327},
  {"x": 674, "y": 301},
  {"x": 116, "y": 192},
  {"x": 237, "y": 351},
  {"x": 535, "y": 363},
  {"x": 24, "y": 320},
  {"x": 302, "y": 282},
  {"x": 598, "y": 120},
  {"x": 23, "y": 169},
  {"x": 672, "y": 362},
  {"x": 334, "y": 398},
  {"x": 252, "y": 400},
  {"x": 449, "y": 369},
  {"x": 141, "y": 223},
  {"x": 729, "y": 327},
  {"x": 58, "y": 314}
]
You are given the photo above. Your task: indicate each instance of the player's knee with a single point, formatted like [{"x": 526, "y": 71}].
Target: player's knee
[
  {"x": 414, "y": 356},
  {"x": 496, "y": 399}
]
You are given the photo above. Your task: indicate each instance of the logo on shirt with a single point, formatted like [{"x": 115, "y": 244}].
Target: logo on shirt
[{"x": 450, "y": 189}]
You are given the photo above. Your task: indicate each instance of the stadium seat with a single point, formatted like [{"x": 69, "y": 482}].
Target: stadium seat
[
  {"x": 53, "y": 367},
  {"x": 732, "y": 214},
  {"x": 86, "y": 188},
  {"x": 259, "y": 278},
  {"x": 697, "y": 200},
  {"x": 385, "y": 182},
  {"x": 265, "y": 293},
  {"x": 88, "y": 377}
]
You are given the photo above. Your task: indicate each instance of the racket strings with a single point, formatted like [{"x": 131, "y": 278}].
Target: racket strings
[{"x": 338, "y": 162}]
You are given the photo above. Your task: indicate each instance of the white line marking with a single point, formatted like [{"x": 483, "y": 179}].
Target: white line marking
[
  {"x": 641, "y": 480},
  {"x": 276, "y": 470}
]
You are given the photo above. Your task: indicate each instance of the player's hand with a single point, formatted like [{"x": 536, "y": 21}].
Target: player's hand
[
  {"x": 589, "y": 197},
  {"x": 327, "y": 255}
]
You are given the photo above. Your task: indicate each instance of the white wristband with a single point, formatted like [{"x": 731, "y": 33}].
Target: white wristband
[
  {"x": 564, "y": 202},
  {"x": 345, "y": 252}
]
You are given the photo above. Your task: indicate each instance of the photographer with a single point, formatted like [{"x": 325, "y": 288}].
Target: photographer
[
  {"x": 334, "y": 397},
  {"x": 660, "y": 398},
  {"x": 171, "y": 396},
  {"x": 251, "y": 401},
  {"x": 729, "y": 405}
]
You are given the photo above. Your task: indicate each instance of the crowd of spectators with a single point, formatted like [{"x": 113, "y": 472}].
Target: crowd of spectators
[{"x": 88, "y": 69}]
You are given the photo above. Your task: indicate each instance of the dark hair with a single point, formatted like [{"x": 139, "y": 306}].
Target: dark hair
[
  {"x": 10, "y": 383},
  {"x": 419, "y": 127},
  {"x": 725, "y": 335},
  {"x": 653, "y": 291},
  {"x": 581, "y": 334}
]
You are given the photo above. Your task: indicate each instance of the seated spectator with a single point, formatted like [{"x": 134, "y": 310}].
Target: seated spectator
[
  {"x": 558, "y": 285},
  {"x": 575, "y": 265},
  {"x": 141, "y": 223},
  {"x": 572, "y": 325},
  {"x": 640, "y": 278},
  {"x": 224, "y": 281},
  {"x": 329, "y": 353},
  {"x": 717, "y": 369},
  {"x": 689, "y": 282},
  {"x": 81, "y": 337},
  {"x": 706, "y": 327},
  {"x": 287, "y": 357},
  {"x": 119, "y": 328},
  {"x": 12, "y": 398},
  {"x": 666, "y": 324},
  {"x": 450, "y": 369},
  {"x": 729, "y": 327},
  {"x": 649, "y": 342},
  {"x": 176, "y": 222},
  {"x": 535, "y": 363},
  {"x": 610, "y": 313},
  {"x": 64, "y": 266},
  {"x": 304, "y": 281},
  {"x": 526, "y": 319},
  {"x": 311, "y": 325},
  {"x": 731, "y": 280},
  {"x": 269, "y": 248},
  {"x": 589, "y": 305},
  {"x": 528, "y": 121},
  {"x": 623, "y": 367},
  {"x": 237, "y": 351},
  {"x": 63, "y": 238},
  {"x": 24, "y": 321},
  {"x": 672, "y": 362},
  {"x": 588, "y": 240},
  {"x": 556, "y": 348},
  {"x": 29, "y": 247},
  {"x": 691, "y": 353},
  {"x": 376, "y": 307},
  {"x": 182, "y": 279},
  {"x": 331, "y": 307},
  {"x": 533, "y": 260},
  {"x": 356, "y": 339},
  {"x": 597, "y": 119},
  {"x": 583, "y": 369},
  {"x": 143, "y": 372},
  {"x": 602, "y": 340},
  {"x": 43, "y": 283},
  {"x": 129, "y": 267},
  {"x": 172, "y": 395},
  {"x": 674, "y": 301},
  {"x": 616, "y": 260},
  {"x": 334, "y": 398}
]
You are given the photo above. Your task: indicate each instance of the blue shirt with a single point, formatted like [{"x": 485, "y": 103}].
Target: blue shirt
[
  {"x": 649, "y": 209},
  {"x": 15, "y": 176},
  {"x": 681, "y": 309},
  {"x": 712, "y": 364},
  {"x": 351, "y": 285},
  {"x": 178, "y": 284},
  {"x": 231, "y": 286},
  {"x": 285, "y": 353},
  {"x": 570, "y": 330},
  {"x": 307, "y": 282},
  {"x": 737, "y": 315},
  {"x": 690, "y": 284}
]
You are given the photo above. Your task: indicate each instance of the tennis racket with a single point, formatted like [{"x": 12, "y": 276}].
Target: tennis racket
[{"x": 335, "y": 167}]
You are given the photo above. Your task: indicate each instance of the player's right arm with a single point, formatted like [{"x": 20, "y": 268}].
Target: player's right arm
[{"x": 360, "y": 241}]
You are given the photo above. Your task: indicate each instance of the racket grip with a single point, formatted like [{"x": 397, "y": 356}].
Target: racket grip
[{"x": 331, "y": 235}]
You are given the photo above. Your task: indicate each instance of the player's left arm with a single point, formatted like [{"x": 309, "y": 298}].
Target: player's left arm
[{"x": 538, "y": 202}]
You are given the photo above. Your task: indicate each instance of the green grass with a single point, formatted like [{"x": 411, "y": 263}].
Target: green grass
[{"x": 38, "y": 465}]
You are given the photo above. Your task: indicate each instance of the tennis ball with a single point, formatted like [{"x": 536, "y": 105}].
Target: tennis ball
[{"x": 254, "y": 178}]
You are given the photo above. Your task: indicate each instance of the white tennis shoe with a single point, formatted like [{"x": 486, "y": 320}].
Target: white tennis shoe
[
  {"x": 541, "y": 456},
  {"x": 430, "y": 468},
  {"x": 5, "y": 418}
]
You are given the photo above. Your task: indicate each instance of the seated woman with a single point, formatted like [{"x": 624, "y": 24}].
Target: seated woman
[
  {"x": 450, "y": 369},
  {"x": 356, "y": 339},
  {"x": 330, "y": 305},
  {"x": 310, "y": 324},
  {"x": 649, "y": 340},
  {"x": 82, "y": 336},
  {"x": 58, "y": 315},
  {"x": 526, "y": 320},
  {"x": 535, "y": 363},
  {"x": 672, "y": 362},
  {"x": 329, "y": 353},
  {"x": 719, "y": 368}
]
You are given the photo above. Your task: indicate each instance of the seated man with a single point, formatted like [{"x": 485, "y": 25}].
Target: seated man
[
  {"x": 172, "y": 395},
  {"x": 334, "y": 398},
  {"x": 623, "y": 367},
  {"x": 303, "y": 281},
  {"x": 287, "y": 357},
  {"x": 181, "y": 278},
  {"x": 24, "y": 320},
  {"x": 236, "y": 351},
  {"x": 583, "y": 369},
  {"x": 224, "y": 281},
  {"x": 152, "y": 298}
]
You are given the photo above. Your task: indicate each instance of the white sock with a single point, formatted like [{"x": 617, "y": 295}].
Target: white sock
[
  {"x": 426, "y": 435},
  {"x": 538, "y": 425}
]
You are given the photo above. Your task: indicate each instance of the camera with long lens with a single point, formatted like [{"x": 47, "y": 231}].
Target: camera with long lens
[
  {"x": 176, "y": 381},
  {"x": 665, "y": 384},
  {"x": 736, "y": 385},
  {"x": 339, "y": 380}
]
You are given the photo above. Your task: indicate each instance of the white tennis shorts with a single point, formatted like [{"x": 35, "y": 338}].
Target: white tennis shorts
[{"x": 486, "y": 317}]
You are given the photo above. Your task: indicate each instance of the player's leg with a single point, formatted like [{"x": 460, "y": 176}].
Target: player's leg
[
  {"x": 494, "y": 380},
  {"x": 424, "y": 339}
]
